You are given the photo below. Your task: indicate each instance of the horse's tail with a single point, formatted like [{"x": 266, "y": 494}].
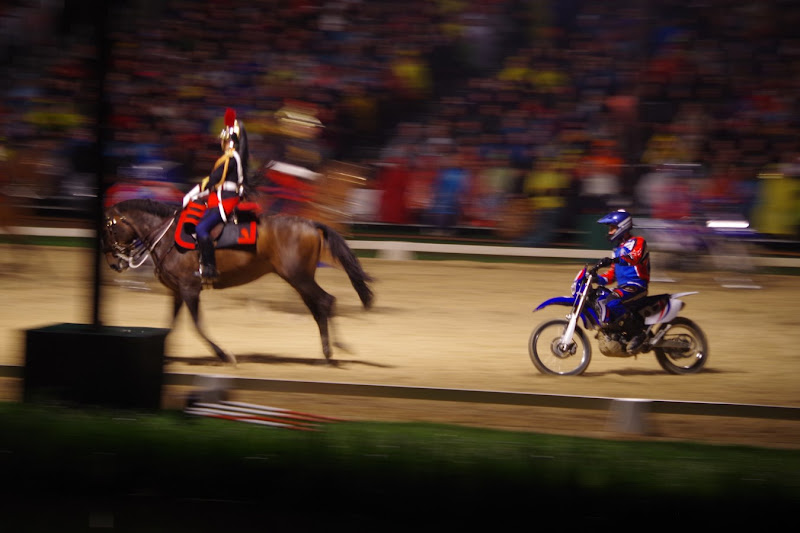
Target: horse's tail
[{"x": 342, "y": 253}]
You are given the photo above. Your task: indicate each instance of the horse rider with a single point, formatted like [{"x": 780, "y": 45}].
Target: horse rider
[
  {"x": 630, "y": 268},
  {"x": 225, "y": 189}
]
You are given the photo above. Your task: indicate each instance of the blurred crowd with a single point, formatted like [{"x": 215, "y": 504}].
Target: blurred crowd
[{"x": 525, "y": 117}]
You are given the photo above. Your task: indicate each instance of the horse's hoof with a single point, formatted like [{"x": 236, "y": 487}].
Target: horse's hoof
[
  {"x": 342, "y": 346},
  {"x": 228, "y": 358}
]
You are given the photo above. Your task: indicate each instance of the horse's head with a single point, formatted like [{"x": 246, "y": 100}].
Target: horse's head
[
  {"x": 132, "y": 229},
  {"x": 119, "y": 241}
]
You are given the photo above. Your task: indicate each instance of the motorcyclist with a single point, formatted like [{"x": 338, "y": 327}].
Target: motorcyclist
[
  {"x": 225, "y": 190},
  {"x": 630, "y": 268}
]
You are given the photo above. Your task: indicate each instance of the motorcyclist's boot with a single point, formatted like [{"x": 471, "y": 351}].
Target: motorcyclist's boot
[
  {"x": 208, "y": 262},
  {"x": 634, "y": 325}
]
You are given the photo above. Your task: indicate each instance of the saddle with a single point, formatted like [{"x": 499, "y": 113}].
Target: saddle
[
  {"x": 649, "y": 305},
  {"x": 240, "y": 231}
]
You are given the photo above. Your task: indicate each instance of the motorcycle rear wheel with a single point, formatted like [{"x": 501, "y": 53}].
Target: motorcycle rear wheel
[
  {"x": 684, "y": 349},
  {"x": 549, "y": 358}
]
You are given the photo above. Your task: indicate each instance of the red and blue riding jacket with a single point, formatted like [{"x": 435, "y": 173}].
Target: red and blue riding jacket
[{"x": 631, "y": 265}]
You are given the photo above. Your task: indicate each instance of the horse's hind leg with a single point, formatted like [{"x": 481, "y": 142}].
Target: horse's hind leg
[
  {"x": 192, "y": 301},
  {"x": 320, "y": 303},
  {"x": 177, "y": 303}
]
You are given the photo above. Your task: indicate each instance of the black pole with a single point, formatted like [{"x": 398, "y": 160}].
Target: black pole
[{"x": 101, "y": 120}]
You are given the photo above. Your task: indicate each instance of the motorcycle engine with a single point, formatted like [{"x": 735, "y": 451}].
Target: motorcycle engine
[{"x": 611, "y": 346}]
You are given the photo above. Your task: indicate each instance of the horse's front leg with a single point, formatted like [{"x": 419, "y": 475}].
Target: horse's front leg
[{"x": 192, "y": 300}]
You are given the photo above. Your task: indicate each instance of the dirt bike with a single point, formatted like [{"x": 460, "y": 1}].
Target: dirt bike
[{"x": 561, "y": 347}]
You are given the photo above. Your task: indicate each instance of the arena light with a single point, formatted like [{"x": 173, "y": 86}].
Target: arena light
[{"x": 727, "y": 224}]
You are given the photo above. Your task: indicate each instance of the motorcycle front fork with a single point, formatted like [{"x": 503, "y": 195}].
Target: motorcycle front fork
[{"x": 566, "y": 338}]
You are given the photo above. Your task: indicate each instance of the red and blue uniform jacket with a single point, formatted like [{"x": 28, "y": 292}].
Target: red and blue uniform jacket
[
  {"x": 227, "y": 176},
  {"x": 631, "y": 264}
]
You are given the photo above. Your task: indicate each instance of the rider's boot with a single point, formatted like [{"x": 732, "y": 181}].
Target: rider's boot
[
  {"x": 208, "y": 262},
  {"x": 634, "y": 324}
]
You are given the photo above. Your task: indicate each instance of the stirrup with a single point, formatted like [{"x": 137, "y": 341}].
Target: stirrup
[{"x": 207, "y": 274}]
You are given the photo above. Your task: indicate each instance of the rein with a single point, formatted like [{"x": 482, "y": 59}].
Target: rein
[
  {"x": 152, "y": 247},
  {"x": 135, "y": 254}
]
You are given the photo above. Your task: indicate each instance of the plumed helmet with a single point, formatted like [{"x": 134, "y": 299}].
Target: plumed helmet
[
  {"x": 623, "y": 222},
  {"x": 229, "y": 136}
]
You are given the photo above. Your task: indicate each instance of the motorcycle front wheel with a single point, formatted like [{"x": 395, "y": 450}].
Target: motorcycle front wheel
[
  {"x": 549, "y": 357},
  {"x": 684, "y": 349}
]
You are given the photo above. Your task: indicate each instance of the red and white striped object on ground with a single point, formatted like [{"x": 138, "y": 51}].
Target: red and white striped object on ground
[{"x": 260, "y": 414}]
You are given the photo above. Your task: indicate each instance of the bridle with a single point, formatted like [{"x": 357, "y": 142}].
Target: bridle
[{"x": 135, "y": 252}]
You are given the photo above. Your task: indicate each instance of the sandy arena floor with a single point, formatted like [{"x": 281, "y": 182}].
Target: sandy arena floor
[{"x": 448, "y": 324}]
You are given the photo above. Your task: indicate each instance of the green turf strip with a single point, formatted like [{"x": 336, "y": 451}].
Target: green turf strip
[{"x": 145, "y": 467}]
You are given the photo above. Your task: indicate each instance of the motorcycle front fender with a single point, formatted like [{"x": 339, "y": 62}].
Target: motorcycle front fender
[
  {"x": 568, "y": 301},
  {"x": 558, "y": 300}
]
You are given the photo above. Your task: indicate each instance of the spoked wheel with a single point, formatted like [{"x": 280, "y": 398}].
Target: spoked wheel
[
  {"x": 550, "y": 357},
  {"x": 684, "y": 349}
]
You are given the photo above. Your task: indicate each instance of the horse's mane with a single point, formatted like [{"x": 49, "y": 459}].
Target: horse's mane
[{"x": 152, "y": 207}]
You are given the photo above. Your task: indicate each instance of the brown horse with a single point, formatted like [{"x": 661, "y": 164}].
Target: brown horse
[{"x": 289, "y": 246}]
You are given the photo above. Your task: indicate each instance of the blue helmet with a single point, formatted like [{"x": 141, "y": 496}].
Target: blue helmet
[{"x": 621, "y": 220}]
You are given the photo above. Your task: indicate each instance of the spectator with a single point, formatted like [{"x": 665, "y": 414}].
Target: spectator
[
  {"x": 393, "y": 178},
  {"x": 423, "y": 170},
  {"x": 449, "y": 192},
  {"x": 663, "y": 193},
  {"x": 546, "y": 187},
  {"x": 599, "y": 176}
]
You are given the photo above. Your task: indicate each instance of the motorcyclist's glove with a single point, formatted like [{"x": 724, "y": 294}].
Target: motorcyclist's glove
[{"x": 604, "y": 262}]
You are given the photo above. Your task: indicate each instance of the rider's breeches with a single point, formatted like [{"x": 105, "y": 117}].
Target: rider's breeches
[
  {"x": 212, "y": 216},
  {"x": 205, "y": 242},
  {"x": 620, "y": 297},
  {"x": 210, "y": 219}
]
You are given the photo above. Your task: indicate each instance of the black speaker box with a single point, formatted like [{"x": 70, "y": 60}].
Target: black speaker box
[{"x": 117, "y": 367}]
